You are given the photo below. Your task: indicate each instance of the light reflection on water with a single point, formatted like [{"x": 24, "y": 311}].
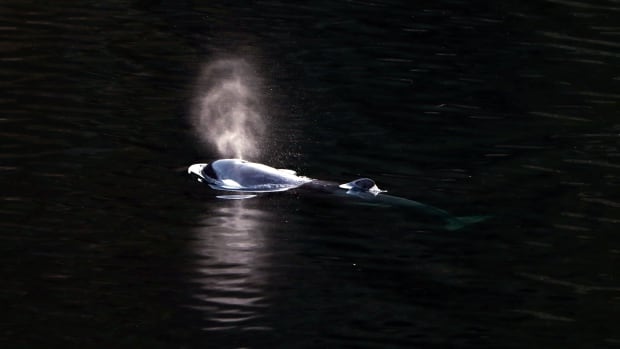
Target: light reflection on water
[{"x": 234, "y": 252}]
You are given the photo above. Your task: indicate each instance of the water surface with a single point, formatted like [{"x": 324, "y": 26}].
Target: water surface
[{"x": 503, "y": 109}]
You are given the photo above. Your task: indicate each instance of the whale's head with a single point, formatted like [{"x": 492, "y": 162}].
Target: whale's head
[
  {"x": 216, "y": 170},
  {"x": 242, "y": 175},
  {"x": 225, "y": 169}
]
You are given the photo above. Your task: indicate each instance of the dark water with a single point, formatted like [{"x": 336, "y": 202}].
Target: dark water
[{"x": 507, "y": 109}]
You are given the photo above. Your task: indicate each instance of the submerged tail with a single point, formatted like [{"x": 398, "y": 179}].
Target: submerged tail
[{"x": 456, "y": 223}]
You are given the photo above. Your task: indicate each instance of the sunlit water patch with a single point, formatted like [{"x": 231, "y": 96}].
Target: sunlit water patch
[{"x": 233, "y": 261}]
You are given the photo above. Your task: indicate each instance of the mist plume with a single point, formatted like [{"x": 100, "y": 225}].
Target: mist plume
[{"x": 227, "y": 109}]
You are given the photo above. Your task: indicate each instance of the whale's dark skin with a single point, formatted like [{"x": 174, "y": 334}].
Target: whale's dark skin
[
  {"x": 320, "y": 186},
  {"x": 358, "y": 186}
]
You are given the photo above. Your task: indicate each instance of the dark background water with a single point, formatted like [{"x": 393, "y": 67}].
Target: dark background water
[{"x": 508, "y": 109}]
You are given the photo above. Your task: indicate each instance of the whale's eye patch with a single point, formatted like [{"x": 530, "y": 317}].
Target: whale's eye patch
[{"x": 208, "y": 171}]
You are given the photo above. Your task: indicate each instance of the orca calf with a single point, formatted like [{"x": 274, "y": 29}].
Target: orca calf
[{"x": 250, "y": 179}]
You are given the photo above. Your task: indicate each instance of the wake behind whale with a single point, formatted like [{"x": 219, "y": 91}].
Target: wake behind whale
[{"x": 250, "y": 179}]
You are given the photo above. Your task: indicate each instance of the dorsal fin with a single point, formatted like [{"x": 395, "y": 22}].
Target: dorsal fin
[{"x": 361, "y": 184}]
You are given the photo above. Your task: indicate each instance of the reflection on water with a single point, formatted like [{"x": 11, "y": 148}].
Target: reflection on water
[{"x": 233, "y": 251}]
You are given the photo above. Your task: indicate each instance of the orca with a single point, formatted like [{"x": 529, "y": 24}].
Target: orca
[{"x": 248, "y": 179}]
